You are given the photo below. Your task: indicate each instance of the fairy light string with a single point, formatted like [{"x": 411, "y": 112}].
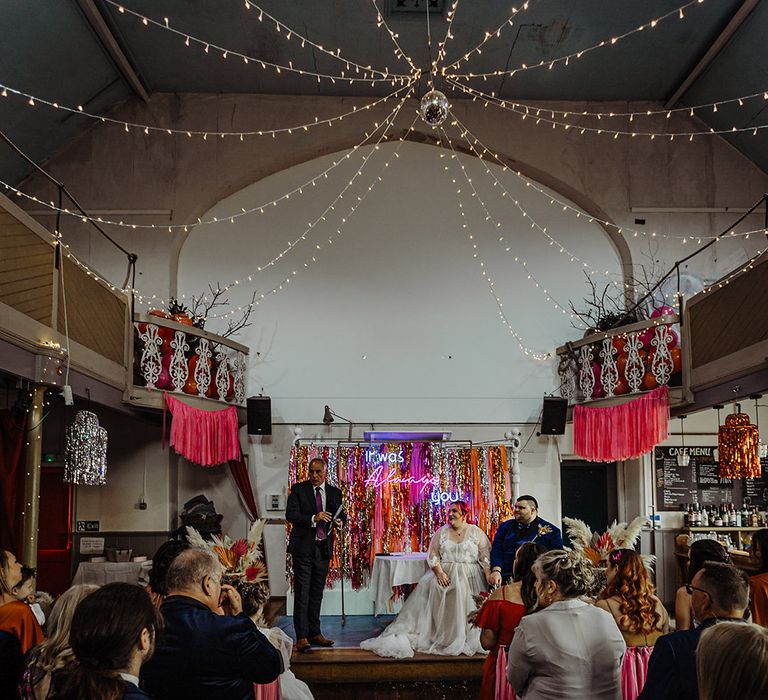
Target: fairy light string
[
  {"x": 33, "y": 100},
  {"x": 517, "y": 259},
  {"x": 381, "y": 22},
  {"x": 565, "y": 60},
  {"x": 538, "y": 116},
  {"x": 344, "y": 221},
  {"x": 526, "y": 350},
  {"x": 225, "y": 52},
  {"x": 230, "y": 217}
]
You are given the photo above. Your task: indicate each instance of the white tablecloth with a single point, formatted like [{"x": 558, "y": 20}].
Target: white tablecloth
[
  {"x": 395, "y": 570},
  {"x": 99, "y": 573}
]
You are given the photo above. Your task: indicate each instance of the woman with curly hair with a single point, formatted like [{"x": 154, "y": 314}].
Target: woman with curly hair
[
  {"x": 640, "y": 616},
  {"x": 630, "y": 597},
  {"x": 568, "y": 648}
]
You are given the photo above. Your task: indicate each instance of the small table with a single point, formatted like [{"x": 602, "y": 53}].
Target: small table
[
  {"x": 395, "y": 570},
  {"x": 99, "y": 573}
]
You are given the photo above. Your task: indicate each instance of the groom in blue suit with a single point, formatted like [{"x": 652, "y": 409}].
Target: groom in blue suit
[{"x": 525, "y": 526}]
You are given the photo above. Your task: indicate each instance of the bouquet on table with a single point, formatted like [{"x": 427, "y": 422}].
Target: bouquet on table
[{"x": 244, "y": 566}]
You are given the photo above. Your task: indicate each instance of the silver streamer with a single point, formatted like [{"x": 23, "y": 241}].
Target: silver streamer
[{"x": 85, "y": 453}]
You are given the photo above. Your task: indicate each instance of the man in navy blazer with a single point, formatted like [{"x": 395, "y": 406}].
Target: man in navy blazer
[
  {"x": 719, "y": 593},
  {"x": 310, "y": 510},
  {"x": 201, "y": 653},
  {"x": 525, "y": 526}
]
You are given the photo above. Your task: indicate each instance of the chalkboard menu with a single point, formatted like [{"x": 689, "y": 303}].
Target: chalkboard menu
[{"x": 699, "y": 482}]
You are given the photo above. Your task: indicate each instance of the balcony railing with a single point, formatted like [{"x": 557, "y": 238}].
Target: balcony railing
[
  {"x": 182, "y": 359},
  {"x": 624, "y": 361}
]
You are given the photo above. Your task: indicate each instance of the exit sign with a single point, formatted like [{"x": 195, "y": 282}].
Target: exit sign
[{"x": 87, "y": 526}]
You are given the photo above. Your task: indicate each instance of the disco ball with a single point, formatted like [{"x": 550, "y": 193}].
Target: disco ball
[{"x": 434, "y": 108}]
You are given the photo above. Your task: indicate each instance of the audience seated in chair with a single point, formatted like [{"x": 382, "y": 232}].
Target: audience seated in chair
[
  {"x": 758, "y": 584},
  {"x": 699, "y": 552},
  {"x": 719, "y": 593},
  {"x": 570, "y": 648},
  {"x": 55, "y": 653},
  {"x": 731, "y": 662},
  {"x": 113, "y": 632},
  {"x": 202, "y": 654}
]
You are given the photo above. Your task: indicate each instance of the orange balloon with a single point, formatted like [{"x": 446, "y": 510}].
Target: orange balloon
[
  {"x": 622, "y": 387},
  {"x": 618, "y": 343},
  {"x": 677, "y": 359},
  {"x": 649, "y": 382}
]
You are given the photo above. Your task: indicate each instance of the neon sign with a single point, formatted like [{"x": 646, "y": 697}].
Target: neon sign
[
  {"x": 379, "y": 477},
  {"x": 377, "y": 458},
  {"x": 445, "y": 497}
]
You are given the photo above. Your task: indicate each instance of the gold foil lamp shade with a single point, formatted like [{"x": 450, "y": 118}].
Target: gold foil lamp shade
[
  {"x": 85, "y": 453},
  {"x": 737, "y": 447}
]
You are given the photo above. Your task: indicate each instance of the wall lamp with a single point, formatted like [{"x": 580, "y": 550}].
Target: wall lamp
[{"x": 329, "y": 415}]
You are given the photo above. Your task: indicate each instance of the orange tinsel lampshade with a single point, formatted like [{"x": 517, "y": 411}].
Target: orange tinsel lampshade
[{"x": 737, "y": 446}]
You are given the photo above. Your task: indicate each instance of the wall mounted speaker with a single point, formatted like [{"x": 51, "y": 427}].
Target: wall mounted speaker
[
  {"x": 259, "y": 415},
  {"x": 553, "y": 415}
]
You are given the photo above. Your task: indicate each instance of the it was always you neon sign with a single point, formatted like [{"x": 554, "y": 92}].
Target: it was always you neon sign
[{"x": 386, "y": 470}]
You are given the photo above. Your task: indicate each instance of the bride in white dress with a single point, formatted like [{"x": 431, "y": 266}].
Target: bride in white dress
[{"x": 434, "y": 617}]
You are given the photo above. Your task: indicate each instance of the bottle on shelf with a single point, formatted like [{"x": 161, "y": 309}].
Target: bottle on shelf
[
  {"x": 738, "y": 518},
  {"x": 718, "y": 518},
  {"x": 689, "y": 516},
  {"x": 705, "y": 517}
]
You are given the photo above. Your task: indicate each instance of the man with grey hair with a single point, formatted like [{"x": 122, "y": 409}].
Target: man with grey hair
[
  {"x": 201, "y": 653},
  {"x": 719, "y": 593}
]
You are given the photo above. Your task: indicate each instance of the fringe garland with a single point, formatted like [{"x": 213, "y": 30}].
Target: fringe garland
[
  {"x": 206, "y": 438},
  {"x": 624, "y": 431}
]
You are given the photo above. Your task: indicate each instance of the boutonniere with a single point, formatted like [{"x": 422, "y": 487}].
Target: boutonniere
[{"x": 543, "y": 530}]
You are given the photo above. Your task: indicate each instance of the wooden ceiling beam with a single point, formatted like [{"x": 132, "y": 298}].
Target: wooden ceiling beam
[
  {"x": 108, "y": 41},
  {"x": 717, "y": 46}
]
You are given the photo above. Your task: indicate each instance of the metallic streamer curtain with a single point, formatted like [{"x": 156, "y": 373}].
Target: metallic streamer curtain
[{"x": 395, "y": 495}]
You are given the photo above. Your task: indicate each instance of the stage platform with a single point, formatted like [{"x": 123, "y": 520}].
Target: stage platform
[{"x": 346, "y": 671}]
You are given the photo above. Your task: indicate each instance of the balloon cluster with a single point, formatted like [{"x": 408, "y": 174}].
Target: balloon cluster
[{"x": 647, "y": 354}]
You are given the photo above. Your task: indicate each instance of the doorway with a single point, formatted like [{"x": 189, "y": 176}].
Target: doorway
[{"x": 588, "y": 492}]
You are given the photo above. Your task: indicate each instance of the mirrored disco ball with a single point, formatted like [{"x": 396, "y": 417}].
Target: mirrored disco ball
[{"x": 434, "y": 108}]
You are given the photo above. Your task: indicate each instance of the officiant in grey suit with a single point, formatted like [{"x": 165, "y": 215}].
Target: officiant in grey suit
[{"x": 310, "y": 509}]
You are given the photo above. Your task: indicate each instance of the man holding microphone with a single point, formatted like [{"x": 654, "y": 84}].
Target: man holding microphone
[{"x": 310, "y": 510}]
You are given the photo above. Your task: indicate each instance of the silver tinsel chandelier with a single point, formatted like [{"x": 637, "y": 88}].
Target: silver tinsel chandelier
[{"x": 85, "y": 453}]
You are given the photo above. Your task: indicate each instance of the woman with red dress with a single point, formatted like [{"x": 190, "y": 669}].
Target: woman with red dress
[{"x": 499, "y": 617}]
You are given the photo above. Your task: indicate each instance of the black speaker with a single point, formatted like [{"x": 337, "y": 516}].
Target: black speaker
[
  {"x": 259, "y": 415},
  {"x": 553, "y": 415}
]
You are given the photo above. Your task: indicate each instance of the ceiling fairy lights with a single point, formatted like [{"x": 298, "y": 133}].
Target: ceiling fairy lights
[
  {"x": 517, "y": 259},
  {"x": 538, "y": 115},
  {"x": 33, "y": 100},
  {"x": 376, "y": 75},
  {"x": 563, "y": 61},
  {"x": 228, "y": 218}
]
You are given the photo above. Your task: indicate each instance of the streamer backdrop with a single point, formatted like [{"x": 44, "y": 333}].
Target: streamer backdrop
[{"x": 392, "y": 495}]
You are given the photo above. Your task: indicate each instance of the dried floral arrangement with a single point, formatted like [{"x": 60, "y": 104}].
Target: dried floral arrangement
[{"x": 597, "y": 546}]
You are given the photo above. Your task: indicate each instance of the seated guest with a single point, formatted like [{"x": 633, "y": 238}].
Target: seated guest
[
  {"x": 719, "y": 593},
  {"x": 162, "y": 560},
  {"x": 641, "y": 617},
  {"x": 202, "y": 654},
  {"x": 525, "y": 526},
  {"x": 699, "y": 552},
  {"x": 501, "y": 613},
  {"x": 570, "y": 649},
  {"x": 731, "y": 662},
  {"x": 112, "y": 634},
  {"x": 630, "y": 597},
  {"x": 54, "y": 653},
  {"x": 758, "y": 584},
  {"x": 16, "y": 617}
]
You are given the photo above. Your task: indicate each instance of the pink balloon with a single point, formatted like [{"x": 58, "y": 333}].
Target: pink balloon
[
  {"x": 646, "y": 337},
  {"x": 662, "y": 311},
  {"x": 164, "y": 380},
  {"x": 675, "y": 338}
]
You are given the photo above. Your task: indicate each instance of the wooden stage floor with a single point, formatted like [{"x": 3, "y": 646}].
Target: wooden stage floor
[{"x": 346, "y": 671}]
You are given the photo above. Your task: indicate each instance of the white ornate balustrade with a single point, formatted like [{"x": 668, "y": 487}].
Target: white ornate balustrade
[
  {"x": 625, "y": 361},
  {"x": 182, "y": 359}
]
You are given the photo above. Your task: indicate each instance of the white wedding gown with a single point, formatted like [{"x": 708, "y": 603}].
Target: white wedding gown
[{"x": 434, "y": 619}]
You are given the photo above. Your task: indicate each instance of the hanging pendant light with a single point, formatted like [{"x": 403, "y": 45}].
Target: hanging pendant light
[
  {"x": 737, "y": 447},
  {"x": 683, "y": 458},
  {"x": 85, "y": 452}
]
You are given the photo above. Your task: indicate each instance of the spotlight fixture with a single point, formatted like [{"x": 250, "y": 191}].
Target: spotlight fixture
[
  {"x": 329, "y": 415},
  {"x": 683, "y": 458}
]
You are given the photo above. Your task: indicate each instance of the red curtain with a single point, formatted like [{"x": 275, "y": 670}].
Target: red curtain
[
  {"x": 239, "y": 471},
  {"x": 11, "y": 480}
]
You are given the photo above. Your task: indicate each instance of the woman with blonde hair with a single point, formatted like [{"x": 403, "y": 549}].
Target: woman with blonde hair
[
  {"x": 54, "y": 653},
  {"x": 569, "y": 648},
  {"x": 731, "y": 660}
]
